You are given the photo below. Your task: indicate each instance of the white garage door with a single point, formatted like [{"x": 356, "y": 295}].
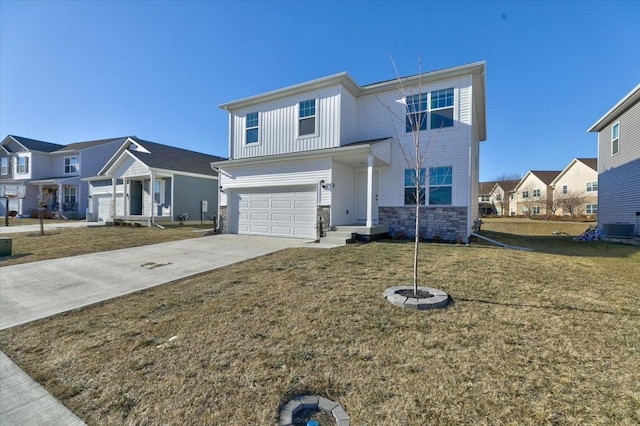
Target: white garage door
[
  {"x": 280, "y": 212},
  {"x": 102, "y": 205}
]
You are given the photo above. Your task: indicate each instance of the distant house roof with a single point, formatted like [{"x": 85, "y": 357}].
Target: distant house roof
[
  {"x": 485, "y": 188},
  {"x": 546, "y": 176},
  {"x": 631, "y": 98},
  {"x": 508, "y": 185},
  {"x": 35, "y": 145},
  {"x": 591, "y": 162}
]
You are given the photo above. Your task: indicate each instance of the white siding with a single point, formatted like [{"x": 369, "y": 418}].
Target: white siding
[
  {"x": 629, "y": 141},
  {"x": 278, "y": 124},
  {"x": 130, "y": 167},
  {"x": 343, "y": 194}
]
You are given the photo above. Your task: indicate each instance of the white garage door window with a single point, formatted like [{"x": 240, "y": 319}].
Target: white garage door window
[
  {"x": 103, "y": 206},
  {"x": 280, "y": 212}
]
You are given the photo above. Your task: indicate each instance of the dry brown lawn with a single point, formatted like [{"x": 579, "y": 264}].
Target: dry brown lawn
[{"x": 543, "y": 337}]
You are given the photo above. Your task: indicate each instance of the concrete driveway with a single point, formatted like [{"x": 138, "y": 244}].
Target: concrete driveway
[{"x": 40, "y": 289}]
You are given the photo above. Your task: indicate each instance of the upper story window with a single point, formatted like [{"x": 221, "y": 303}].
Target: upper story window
[
  {"x": 615, "y": 138},
  {"x": 525, "y": 194},
  {"x": 410, "y": 197},
  {"x": 70, "y": 165},
  {"x": 440, "y": 186},
  {"x": 4, "y": 166},
  {"x": 536, "y": 192},
  {"x": 565, "y": 189},
  {"x": 307, "y": 118},
  {"x": 484, "y": 198},
  {"x": 592, "y": 186},
  {"x": 438, "y": 105},
  {"x": 251, "y": 127},
  {"x": 442, "y": 108},
  {"x": 23, "y": 165},
  {"x": 498, "y": 197}
]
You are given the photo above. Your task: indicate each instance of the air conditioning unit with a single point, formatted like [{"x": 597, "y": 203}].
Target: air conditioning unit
[{"x": 618, "y": 230}]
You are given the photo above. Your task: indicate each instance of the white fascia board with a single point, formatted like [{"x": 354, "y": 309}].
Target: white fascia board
[
  {"x": 16, "y": 141},
  {"x": 342, "y": 77},
  {"x": 109, "y": 171},
  {"x": 524, "y": 178},
  {"x": 618, "y": 109},
  {"x": 563, "y": 172},
  {"x": 116, "y": 155},
  {"x": 181, "y": 173},
  {"x": 328, "y": 152}
]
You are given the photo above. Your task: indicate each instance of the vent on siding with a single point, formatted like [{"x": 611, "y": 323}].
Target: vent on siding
[{"x": 618, "y": 230}]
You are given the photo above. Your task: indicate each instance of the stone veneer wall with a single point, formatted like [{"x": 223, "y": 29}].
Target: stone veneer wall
[
  {"x": 436, "y": 223},
  {"x": 222, "y": 220},
  {"x": 324, "y": 216}
]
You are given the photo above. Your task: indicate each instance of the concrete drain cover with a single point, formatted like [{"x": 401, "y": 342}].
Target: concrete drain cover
[{"x": 312, "y": 403}]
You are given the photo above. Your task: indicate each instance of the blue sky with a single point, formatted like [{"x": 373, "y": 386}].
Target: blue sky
[{"x": 83, "y": 70}]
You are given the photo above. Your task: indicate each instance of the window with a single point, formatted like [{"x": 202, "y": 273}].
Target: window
[
  {"x": 416, "y": 112},
  {"x": 592, "y": 186},
  {"x": 498, "y": 197},
  {"x": 69, "y": 197},
  {"x": 70, "y": 165},
  {"x": 4, "y": 166},
  {"x": 440, "y": 185},
  {"x": 536, "y": 209},
  {"x": 484, "y": 198},
  {"x": 158, "y": 191},
  {"x": 439, "y": 104},
  {"x": 442, "y": 108},
  {"x": 565, "y": 189},
  {"x": 615, "y": 138},
  {"x": 307, "y": 121},
  {"x": 536, "y": 192},
  {"x": 592, "y": 209},
  {"x": 410, "y": 187},
  {"x": 251, "y": 127},
  {"x": 23, "y": 165},
  {"x": 525, "y": 194}
]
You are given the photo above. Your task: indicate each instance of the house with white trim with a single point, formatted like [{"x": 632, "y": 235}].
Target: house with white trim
[
  {"x": 151, "y": 183},
  {"x": 533, "y": 195},
  {"x": 329, "y": 153},
  {"x": 619, "y": 167},
  {"x": 51, "y": 173},
  {"x": 495, "y": 197},
  {"x": 575, "y": 189}
]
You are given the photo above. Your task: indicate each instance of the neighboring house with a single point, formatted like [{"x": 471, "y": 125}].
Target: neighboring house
[
  {"x": 576, "y": 188},
  {"x": 495, "y": 197},
  {"x": 619, "y": 167},
  {"x": 533, "y": 195},
  {"x": 52, "y": 173},
  {"x": 149, "y": 182},
  {"x": 326, "y": 153}
]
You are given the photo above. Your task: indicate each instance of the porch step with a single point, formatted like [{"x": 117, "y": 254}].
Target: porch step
[{"x": 338, "y": 237}]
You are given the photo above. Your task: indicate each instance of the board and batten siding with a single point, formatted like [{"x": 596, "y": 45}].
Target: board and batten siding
[
  {"x": 188, "y": 194},
  {"x": 619, "y": 194},
  {"x": 278, "y": 124},
  {"x": 348, "y": 116},
  {"x": 629, "y": 143},
  {"x": 284, "y": 173}
]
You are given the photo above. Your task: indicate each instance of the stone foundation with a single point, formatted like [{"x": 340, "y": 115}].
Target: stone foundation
[
  {"x": 324, "y": 219},
  {"x": 436, "y": 223},
  {"x": 222, "y": 220}
]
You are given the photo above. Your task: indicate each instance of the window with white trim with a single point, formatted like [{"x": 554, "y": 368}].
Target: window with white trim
[
  {"x": 615, "y": 138},
  {"x": 484, "y": 198},
  {"x": 440, "y": 186},
  {"x": 251, "y": 128},
  {"x": 4, "y": 166},
  {"x": 70, "y": 165},
  {"x": 536, "y": 192},
  {"x": 565, "y": 189},
  {"x": 159, "y": 191},
  {"x": 23, "y": 165},
  {"x": 525, "y": 194},
  {"x": 69, "y": 197},
  {"x": 592, "y": 209},
  {"x": 438, "y": 105},
  {"x": 592, "y": 186},
  {"x": 536, "y": 209},
  {"x": 410, "y": 197},
  {"x": 307, "y": 118}
]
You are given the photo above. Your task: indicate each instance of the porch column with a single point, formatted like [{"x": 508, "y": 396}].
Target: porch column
[
  {"x": 152, "y": 193},
  {"x": 125, "y": 195},
  {"x": 59, "y": 199},
  {"x": 112, "y": 213},
  {"x": 370, "y": 190}
]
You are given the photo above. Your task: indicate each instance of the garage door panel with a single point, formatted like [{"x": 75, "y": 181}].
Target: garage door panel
[{"x": 278, "y": 212}]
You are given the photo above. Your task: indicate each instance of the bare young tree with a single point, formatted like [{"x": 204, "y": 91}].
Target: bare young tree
[
  {"x": 508, "y": 176},
  {"x": 530, "y": 201},
  {"x": 572, "y": 201}
]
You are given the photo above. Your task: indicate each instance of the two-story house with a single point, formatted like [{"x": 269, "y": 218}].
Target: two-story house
[
  {"x": 330, "y": 152},
  {"x": 52, "y": 173},
  {"x": 619, "y": 167},
  {"x": 495, "y": 197},
  {"x": 575, "y": 189},
  {"x": 534, "y": 193}
]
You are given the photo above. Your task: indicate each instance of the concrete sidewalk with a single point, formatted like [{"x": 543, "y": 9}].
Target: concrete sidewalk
[
  {"x": 48, "y": 226},
  {"x": 40, "y": 289}
]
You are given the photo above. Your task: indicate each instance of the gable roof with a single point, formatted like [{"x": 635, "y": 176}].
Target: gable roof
[
  {"x": 35, "y": 145},
  {"x": 485, "y": 188},
  {"x": 592, "y": 163},
  {"x": 158, "y": 156},
  {"x": 546, "y": 176},
  {"x": 88, "y": 144},
  {"x": 589, "y": 162},
  {"x": 631, "y": 98}
]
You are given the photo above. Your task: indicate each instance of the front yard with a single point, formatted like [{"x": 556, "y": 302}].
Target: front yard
[{"x": 543, "y": 337}]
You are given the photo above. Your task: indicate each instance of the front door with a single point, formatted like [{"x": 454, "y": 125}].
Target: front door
[
  {"x": 361, "y": 196},
  {"x": 136, "y": 198}
]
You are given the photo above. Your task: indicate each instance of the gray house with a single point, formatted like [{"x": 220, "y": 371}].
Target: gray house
[
  {"x": 148, "y": 182},
  {"x": 51, "y": 173},
  {"x": 619, "y": 167}
]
